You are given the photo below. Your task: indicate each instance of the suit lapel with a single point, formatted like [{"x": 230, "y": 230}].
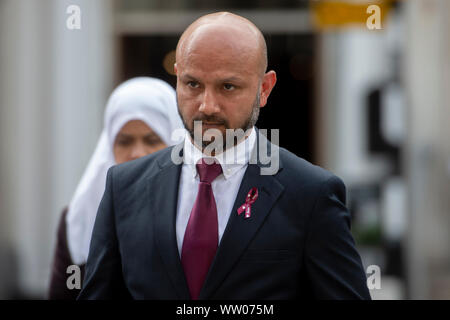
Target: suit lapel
[
  {"x": 163, "y": 195},
  {"x": 240, "y": 231}
]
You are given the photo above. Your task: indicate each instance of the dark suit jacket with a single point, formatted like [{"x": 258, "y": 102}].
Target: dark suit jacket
[{"x": 296, "y": 244}]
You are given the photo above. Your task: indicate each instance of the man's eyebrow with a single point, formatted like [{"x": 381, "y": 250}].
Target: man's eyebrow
[
  {"x": 227, "y": 79},
  {"x": 188, "y": 77},
  {"x": 231, "y": 79}
]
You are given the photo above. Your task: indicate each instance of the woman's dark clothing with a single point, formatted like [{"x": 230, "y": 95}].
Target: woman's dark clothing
[{"x": 58, "y": 289}]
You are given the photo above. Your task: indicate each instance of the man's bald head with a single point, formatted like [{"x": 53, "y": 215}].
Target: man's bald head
[
  {"x": 222, "y": 82},
  {"x": 224, "y": 30}
]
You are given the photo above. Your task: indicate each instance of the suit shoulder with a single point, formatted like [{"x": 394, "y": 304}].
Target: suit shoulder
[
  {"x": 135, "y": 170},
  {"x": 301, "y": 171}
]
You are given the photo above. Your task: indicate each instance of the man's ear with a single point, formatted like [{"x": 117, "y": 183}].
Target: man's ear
[
  {"x": 175, "y": 68},
  {"x": 269, "y": 80}
]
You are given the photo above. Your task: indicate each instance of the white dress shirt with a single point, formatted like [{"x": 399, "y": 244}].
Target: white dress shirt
[{"x": 234, "y": 162}]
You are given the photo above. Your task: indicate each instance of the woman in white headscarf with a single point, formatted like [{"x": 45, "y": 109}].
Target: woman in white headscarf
[{"x": 140, "y": 117}]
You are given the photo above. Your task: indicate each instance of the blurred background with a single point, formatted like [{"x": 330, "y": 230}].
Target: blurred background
[{"x": 371, "y": 105}]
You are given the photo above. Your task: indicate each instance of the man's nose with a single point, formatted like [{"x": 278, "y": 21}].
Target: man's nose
[{"x": 209, "y": 103}]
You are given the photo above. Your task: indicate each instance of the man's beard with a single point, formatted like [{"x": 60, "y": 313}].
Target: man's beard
[{"x": 249, "y": 122}]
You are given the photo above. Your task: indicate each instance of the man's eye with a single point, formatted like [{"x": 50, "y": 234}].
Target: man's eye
[
  {"x": 228, "y": 86},
  {"x": 193, "y": 84}
]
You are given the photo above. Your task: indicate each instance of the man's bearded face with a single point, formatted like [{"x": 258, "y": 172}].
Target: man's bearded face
[{"x": 219, "y": 123}]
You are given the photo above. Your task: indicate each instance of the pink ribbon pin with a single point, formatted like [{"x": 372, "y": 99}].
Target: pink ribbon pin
[{"x": 251, "y": 197}]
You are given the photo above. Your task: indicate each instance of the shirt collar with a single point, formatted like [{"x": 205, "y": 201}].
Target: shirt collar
[{"x": 231, "y": 160}]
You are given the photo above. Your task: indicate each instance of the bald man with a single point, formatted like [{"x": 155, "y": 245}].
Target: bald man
[{"x": 216, "y": 225}]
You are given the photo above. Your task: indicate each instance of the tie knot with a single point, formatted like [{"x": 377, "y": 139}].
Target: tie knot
[{"x": 208, "y": 170}]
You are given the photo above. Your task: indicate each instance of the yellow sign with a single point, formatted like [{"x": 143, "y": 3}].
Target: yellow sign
[{"x": 336, "y": 14}]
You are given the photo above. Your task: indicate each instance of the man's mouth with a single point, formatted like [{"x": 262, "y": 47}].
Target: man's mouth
[{"x": 211, "y": 124}]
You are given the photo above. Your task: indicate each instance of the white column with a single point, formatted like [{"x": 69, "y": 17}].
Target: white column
[
  {"x": 54, "y": 84},
  {"x": 427, "y": 155},
  {"x": 352, "y": 62}
]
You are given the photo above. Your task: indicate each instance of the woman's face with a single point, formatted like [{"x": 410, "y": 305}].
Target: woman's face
[{"x": 136, "y": 140}]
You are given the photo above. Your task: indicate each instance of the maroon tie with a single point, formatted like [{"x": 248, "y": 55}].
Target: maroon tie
[{"x": 201, "y": 236}]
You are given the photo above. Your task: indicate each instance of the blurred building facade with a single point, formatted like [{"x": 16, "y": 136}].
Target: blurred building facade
[{"x": 373, "y": 103}]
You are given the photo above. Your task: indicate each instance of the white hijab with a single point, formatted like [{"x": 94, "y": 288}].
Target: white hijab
[{"x": 150, "y": 100}]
